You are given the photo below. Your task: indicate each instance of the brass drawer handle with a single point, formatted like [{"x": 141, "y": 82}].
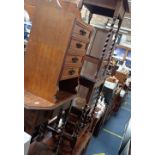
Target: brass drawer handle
[
  {"x": 78, "y": 45},
  {"x": 75, "y": 59},
  {"x": 71, "y": 72},
  {"x": 83, "y": 33}
]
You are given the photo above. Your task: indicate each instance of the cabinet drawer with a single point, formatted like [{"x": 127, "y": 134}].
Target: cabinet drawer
[
  {"x": 70, "y": 72},
  {"x": 76, "y": 52},
  {"x": 78, "y": 45},
  {"x": 73, "y": 60},
  {"x": 81, "y": 31}
]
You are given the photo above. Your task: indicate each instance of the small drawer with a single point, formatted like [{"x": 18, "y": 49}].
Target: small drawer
[
  {"x": 81, "y": 31},
  {"x": 73, "y": 60},
  {"x": 76, "y": 52},
  {"x": 69, "y": 73},
  {"x": 78, "y": 45}
]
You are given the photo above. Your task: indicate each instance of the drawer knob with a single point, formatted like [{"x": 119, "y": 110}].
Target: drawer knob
[
  {"x": 71, "y": 72},
  {"x": 75, "y": 59},
  {"x": 82, "y": 32},
  {"x": 78, "y": 45}
]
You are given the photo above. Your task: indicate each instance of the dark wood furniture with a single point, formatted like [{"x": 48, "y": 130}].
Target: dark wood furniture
[
  {"x": 113, "y": 99},
  {"x": 38, "y": 111},
  {"x": 53, "y": 60},
  {"x": 95, "y": 66},
  {"x": 54, "y": 56},
  {"x": 114, "y": 9},
  {"x": 98, "y": 39},
  {"x": 42, "y": 148},
  {"x": 67, "y": 140},
  {"x": 108, "y": 8},
  {"x": 97, "y": 62}
]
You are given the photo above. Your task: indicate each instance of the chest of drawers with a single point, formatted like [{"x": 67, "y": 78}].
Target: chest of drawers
[{"x": 58, "y": 41}]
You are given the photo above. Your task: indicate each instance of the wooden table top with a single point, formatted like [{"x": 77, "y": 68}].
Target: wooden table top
[{"x": 34, "y": 102}]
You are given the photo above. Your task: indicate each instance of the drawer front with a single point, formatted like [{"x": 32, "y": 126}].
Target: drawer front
[
  {"x": 81, "y": 31},
  {"x": 76, "y": 52},
  {"x": 78, "y": 45},
  {"x": 70, "y": 72},
  {"x": 73, "y": 60}
]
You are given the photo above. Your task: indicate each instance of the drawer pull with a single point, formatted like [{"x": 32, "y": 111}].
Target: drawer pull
[
  {"x": 82, "y": 32},
  {"x": 71, "y": 72},
  {"x": 74, "y": 60},
  {"x": 78, "y": 45}
]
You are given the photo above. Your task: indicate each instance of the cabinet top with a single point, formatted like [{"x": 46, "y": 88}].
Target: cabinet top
[
  {"x": 107, "y": 7},
  {"x": 34, "y": 102}
]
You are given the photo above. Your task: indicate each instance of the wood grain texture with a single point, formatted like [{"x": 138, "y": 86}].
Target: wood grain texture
[
  {"x": 46, "y": 48},
  {"x": 30, "y": 7},
  {"x": 71, "y": 7},
  {"x": 33, "y": 102}
]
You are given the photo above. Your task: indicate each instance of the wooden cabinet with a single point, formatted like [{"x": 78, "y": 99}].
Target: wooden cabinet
[
  {"x": 96, "y": 61},
  {"x": 38, "y": 111},
  {"x": 108, "y": 8},
  {"x": 97, "y": 44},
  {"x": 55, "y": 54},
  {"x": 96, "y": 64},
  {"x": 57, "y": 44},
  {"x": 93, "y": 68},
  {"x": 89, "y": 89}
]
